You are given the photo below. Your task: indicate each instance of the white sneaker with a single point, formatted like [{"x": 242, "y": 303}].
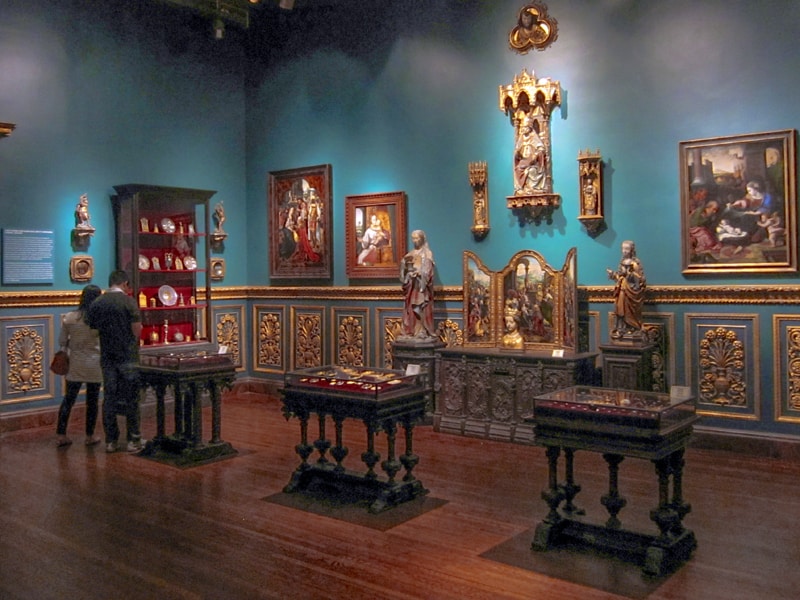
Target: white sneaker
[
  {"x": 111, "y": 447},
  {"x": 135, "y": 445}
]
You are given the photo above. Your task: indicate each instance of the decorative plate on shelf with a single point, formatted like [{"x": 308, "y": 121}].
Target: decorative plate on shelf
[
  {"x": 190, "y": 263},
  {"x": 167, "y": 225},
  {"x": 144, "y": 262},
  {"x": 167, "y": 295}
]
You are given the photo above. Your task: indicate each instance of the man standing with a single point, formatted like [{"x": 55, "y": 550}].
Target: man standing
[{"x": 116, "y": 317}]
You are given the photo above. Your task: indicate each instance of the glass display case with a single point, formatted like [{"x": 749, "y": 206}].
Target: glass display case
[
  {"x": 343, "y": 380},
  {"x": 595, "y": 408},
  {"x": 162, "y": 242}
]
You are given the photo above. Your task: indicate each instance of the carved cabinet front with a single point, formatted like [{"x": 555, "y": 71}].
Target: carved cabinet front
[{"x": 488, "y": 393}]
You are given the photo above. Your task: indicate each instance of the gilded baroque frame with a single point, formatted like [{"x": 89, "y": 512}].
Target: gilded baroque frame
[
  {"x": 375, "y": 235},
  {"x": 300, "y": 216},
  {"x": 738, "y": 197}
]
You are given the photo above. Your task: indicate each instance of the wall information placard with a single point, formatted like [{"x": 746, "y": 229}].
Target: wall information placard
[{"x": 27, "y": 256}]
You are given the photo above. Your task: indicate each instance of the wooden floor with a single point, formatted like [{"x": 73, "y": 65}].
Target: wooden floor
[{"x": 78, "y": 523}]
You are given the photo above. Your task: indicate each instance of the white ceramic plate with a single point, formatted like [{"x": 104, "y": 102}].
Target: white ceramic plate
[
  {"x": 190, "y": 263},
  {"x": 144, "y": 262},
  {"x": 167, "y": 226},
  {"x": 167, "y": 295}
]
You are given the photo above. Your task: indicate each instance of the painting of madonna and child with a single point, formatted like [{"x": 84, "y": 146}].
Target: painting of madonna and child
[{"x": 738, "y": 203}]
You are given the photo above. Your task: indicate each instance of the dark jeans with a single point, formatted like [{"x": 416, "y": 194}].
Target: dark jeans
[
  {"x": 71, "y": 394},
  {"x": 121, "y": 384}
]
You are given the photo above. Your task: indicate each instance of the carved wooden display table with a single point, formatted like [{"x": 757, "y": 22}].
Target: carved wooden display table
[
  {"x": 488, "y": 392},
  {"x": 617, "y": 423},
  {"x": 382, "y": 399},
  {"x": 188, "y": 373}
]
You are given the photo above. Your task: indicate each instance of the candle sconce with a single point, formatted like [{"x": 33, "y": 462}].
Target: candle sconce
[
  {"x": 478, "y": 179},
  {"x": 590, "y": 182}
]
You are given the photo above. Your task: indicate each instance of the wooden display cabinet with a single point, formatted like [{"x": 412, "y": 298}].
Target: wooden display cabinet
[{"x": 163, "y": 244}]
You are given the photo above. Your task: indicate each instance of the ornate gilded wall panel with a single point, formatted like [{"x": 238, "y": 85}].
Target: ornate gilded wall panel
[
  {"x": 389, "y": 326},
  {"x": 786, "y": 367},
  {"x": 269, "y": 339},
  {"x": 28, "y": 343},
  {"x": 307, "y": 336},
  {"x": 351, "y": 336},
  {"x": 722, "y": 357},
  {"x": 228, "y": 331}
]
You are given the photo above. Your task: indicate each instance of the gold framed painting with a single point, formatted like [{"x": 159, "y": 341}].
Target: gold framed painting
[
  {"x": 375, "y": 234},
  {"x": 300, "y": 218},
  {"x": 81, "y": 268},
  {"x": 738, "y": 197}
]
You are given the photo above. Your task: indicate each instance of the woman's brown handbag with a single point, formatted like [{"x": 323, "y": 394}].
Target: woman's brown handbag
[{"x": 60, "y": 364}]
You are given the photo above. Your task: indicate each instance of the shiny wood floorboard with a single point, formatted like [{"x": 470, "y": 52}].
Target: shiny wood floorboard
[{"x": 78, "y": 523}]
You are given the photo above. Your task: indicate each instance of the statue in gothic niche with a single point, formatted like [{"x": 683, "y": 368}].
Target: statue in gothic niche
[{"x": 530, "y": 158}]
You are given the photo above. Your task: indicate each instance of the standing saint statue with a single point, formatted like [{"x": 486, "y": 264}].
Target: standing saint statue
[
  {"x": 82, "y": 213},
  {"x": 416, "y": 273},
  {"x": 219, "y": 217},
  {"x": 628, "y": 294}
]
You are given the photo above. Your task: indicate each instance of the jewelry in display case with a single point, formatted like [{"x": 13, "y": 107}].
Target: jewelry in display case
[{"x": 162, "y": 236}]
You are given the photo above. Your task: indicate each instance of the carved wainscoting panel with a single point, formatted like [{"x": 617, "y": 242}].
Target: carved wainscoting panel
[
  {"x": 269, "y": 341},
  {"x": 349, "y": 342},
  {"x": 660, "y": 331},
  {"x": 29, "y": 344},
  {"x": 228, "y": 330},
  {"x": 786, "y": 361},
  {"x": 389, "y": 326},
  {"x": 589, "y": 336},
  {"x": 307, "y": 335},
  {"x": 723, "y": 363}
]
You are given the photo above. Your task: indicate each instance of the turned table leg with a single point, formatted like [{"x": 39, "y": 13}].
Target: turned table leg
[
  {"x": 569, "y": 487},
  {"x": 322, "y": 443},
  {"x": 369, "y": 456},
  {"x": 339, "y": 451},
  {"x": 613, "y": 501},
  {"x": 409, "y": 459}
]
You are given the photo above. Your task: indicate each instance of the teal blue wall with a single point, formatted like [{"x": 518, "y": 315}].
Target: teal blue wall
[
  {"x": 416, "y": 100},
  {"x": 113, "y": 92}
]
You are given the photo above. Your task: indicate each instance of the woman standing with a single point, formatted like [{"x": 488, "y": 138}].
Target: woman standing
[{"x": 83, "y": 345}]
